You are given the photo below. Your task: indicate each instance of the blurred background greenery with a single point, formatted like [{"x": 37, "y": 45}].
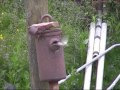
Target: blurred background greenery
[{"x": 75, "y": 19}]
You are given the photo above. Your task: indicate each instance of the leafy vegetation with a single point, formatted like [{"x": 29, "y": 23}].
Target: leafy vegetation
[
  {"x": 13, "y": 48},
  {"x": 74, "y": 19}
]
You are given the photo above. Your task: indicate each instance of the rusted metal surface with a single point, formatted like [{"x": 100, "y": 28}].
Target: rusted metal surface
[
  {"x": 50, "y": 54},
  {"x": 38, "y": 28},
  {"x": 46, "y": 16}
]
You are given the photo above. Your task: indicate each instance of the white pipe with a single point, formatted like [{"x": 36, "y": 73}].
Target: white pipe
[
  {"x": 97, "y": 38},
  {"x": 88, "y": 70},
  {"x": 100, "y": 69},
  {"x": 95, "y": 59},
  {"x": 114, "y": 83},
  {"x": 63, "y": 80},
  {"x": 96, "y": 47}
]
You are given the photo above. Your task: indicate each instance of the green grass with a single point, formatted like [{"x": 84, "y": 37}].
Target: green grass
[
  {"x": 13, "y": 49},
  {"x": 74, "y": 20}
]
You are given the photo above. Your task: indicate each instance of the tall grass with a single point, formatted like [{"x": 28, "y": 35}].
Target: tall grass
[
  {"x": 74, "y": 19},
  {"x": 13, "y": 47}
]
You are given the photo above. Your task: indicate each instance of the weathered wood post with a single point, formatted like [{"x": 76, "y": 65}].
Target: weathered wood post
[{"x": 34, "y": 10}]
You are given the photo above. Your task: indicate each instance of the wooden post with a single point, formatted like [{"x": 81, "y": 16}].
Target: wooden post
[
  {"x": 34, "y": 10},
  {"x": 54, "y": 85}
]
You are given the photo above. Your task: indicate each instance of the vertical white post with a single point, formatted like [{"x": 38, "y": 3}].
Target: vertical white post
[
  {"x": 97, "y": 38},
  {"x": 88, "y": 70},
  {"x": 100, "y": 69}
]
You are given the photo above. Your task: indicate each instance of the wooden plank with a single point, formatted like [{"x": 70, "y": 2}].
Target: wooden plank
[
  {"x": 34, "y": 10},
  {"x": 54, "y": 85}
]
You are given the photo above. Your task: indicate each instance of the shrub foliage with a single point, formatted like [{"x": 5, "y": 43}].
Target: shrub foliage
[{"x": 75, "y": 18}]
